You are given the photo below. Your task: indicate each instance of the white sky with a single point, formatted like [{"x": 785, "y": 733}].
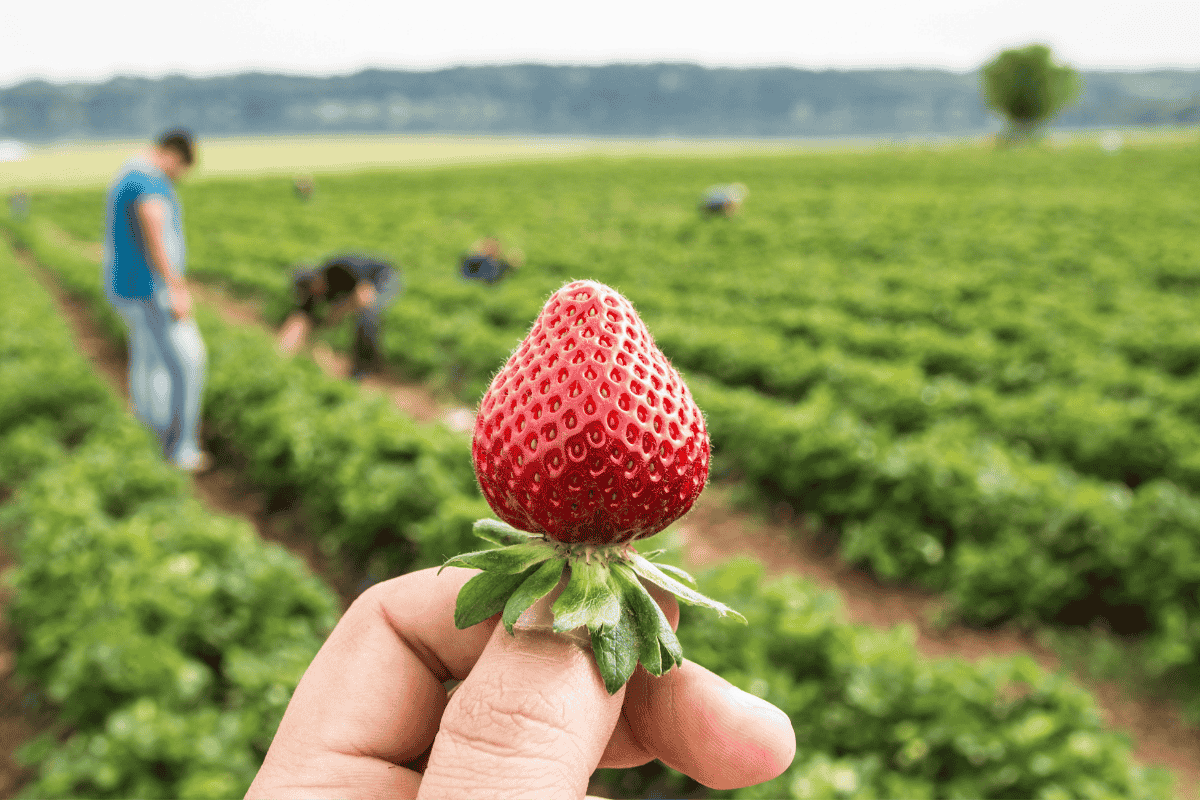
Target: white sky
[{"x": 90, "y": 41}]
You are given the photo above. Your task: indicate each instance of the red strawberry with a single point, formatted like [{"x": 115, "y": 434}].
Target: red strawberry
[
  {"x": 588, "y": 434},
  {"x": 586, "y": 441}
]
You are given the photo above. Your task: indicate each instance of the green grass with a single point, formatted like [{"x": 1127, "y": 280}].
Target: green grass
[{"x": 92, "y": 163}]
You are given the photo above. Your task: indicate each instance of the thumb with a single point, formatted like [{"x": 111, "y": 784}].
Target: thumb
[{"x": 531, "y": 721}]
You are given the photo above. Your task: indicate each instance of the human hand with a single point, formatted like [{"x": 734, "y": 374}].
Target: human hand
[
  {"x": 181, "y": 301},
  {"x": 531, "y": 719},
  {"x": 292, "y": 334},
  {"x": 365, "y": 293}
]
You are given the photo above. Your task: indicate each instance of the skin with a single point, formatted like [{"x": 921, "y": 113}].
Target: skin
[
  {"x": 152, "y": 214},
  {"x": 531, "y": 718},
  {"x": 491, "y": 247},
  {"x": 487, "y": 247}
]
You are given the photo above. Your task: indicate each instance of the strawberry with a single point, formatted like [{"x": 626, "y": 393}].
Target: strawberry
[
  {"x": 586, "y": 441},
  {"x": 588, "y": 434}
]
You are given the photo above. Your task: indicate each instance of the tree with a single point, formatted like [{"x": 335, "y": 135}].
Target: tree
[{"x": 1028, "y": 88}]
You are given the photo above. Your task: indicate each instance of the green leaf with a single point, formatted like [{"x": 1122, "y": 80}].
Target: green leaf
[
  {"x": 588, "y": 599},
  {"x": 652, "y": 573},
  {"x": 672, "y": 650},
  {"x": 616, "y": 650},
  {"x": 501, "y": 533},
  {"x": 485, "y": 595},
  {"x": 512, "y": 559},
  {"x": 648, "y": 618},
  {"x": 677, "y": 572},
  {"x": 535, "y": 587}
]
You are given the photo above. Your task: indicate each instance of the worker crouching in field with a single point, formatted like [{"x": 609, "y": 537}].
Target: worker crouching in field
[
  {"x": 338, "y": 286},
  {"x": 487, "y": 263},
  {"x": 724, "y": 200}
]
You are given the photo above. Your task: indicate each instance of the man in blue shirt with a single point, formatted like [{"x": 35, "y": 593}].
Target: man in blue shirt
[{"x": 144, "y": 265}]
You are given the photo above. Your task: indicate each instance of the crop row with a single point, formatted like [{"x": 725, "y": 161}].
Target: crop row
[
  {"x": 1093, "y": 427},
  {"x": 1086, "y": 408},
  {"x": 1096, "y": 414},
  {"x": 378, "y": 485},
  {"x": 167, "y": 638},
  {"x": 1022, "y": 293},
  {"x": 1030, "y": 309},
  {"x": 1004, "y": 536},
  {"x": 953, "y": 504},
  {"x": 1073, "y": 252},
  {"x": 889, "y": 721}
]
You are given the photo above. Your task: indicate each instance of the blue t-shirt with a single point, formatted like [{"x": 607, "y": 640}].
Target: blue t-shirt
[{"x": 128, "y": 273}]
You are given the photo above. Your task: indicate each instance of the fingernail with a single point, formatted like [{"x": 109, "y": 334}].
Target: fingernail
[
  {"x": 762, "y": 733},
  {"x": 756, "y": 706}
]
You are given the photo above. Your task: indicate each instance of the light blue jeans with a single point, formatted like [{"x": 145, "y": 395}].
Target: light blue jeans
[{"x": 167, "y": 367}]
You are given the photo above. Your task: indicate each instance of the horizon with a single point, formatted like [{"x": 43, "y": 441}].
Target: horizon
[{"x": 282, "y": 73}]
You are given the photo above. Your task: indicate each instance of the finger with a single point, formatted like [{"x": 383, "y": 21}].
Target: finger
[
  {"x": 698, "y": 723},
  {"x": 625, "y": 750},
  {"x": 530, "y": 721},
  {"x": 371, "y": 698}
]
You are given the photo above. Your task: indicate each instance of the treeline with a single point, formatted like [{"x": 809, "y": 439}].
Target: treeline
[{"x": 684, "y": 100}]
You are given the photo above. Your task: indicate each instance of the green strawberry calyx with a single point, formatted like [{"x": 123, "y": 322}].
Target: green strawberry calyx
[{"x": 604, "y": 592}]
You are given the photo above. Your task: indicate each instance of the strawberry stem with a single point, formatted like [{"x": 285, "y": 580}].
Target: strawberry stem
[{"x": 604, "y": 593}]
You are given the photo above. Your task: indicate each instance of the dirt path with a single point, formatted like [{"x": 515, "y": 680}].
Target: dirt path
[
  {"x": 712, "y": 531},
  {"x": 414, "y": 400}
]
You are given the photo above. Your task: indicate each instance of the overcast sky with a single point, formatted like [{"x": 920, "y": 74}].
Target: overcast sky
[{"x": 90, "y": 41}]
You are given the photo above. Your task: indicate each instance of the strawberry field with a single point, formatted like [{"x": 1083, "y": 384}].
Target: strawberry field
[
  {"x": 976, "y": 369},
  {"x": 972, "y": 369}
]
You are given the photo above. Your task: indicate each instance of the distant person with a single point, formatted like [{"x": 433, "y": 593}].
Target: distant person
[
  {"x": 144, "y": 265},
  {"x": 303, "y": 186},
  {"x": 326, "y": 293},
  {"x": 487, "y": 263},
  {"x": 18, "y": 205},
  {"x": 724, "y": 200}
]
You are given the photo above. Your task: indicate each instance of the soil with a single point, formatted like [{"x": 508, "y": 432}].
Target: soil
[
  {"x": 414, "y": 400},
  {"x": 714, "y": 530}
]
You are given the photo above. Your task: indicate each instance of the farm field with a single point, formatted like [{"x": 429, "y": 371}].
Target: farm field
[
  {"x": 73, "y": 164},
  {"x": 76, "y": 164},
  {"x": 971, "y": 370},
  {"x": 975, "y": 368}
]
